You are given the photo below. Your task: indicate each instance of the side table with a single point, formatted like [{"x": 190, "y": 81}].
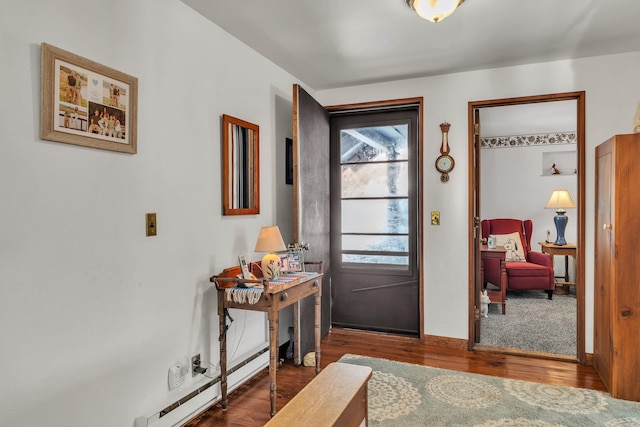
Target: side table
[
  {"x": 499, "y": 253},
  {"x": 568, "y": 250}
]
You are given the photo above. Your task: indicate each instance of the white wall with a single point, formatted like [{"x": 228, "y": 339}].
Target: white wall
[
  {"x": 612, "y": 91},
  {"x": 92, "y": 312}
]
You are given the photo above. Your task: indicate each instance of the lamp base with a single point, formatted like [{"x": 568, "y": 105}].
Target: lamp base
[
  {"x": 560, "y": 221},
  {"x": 270, "y": 266}
]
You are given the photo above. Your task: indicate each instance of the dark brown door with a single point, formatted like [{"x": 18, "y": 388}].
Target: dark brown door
[
  {"x": 311, "y": 202},
  {"x": 375, "y": 220}
]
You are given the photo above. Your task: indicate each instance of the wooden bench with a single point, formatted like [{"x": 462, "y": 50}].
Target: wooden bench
[{"x": 336, "y": 397}]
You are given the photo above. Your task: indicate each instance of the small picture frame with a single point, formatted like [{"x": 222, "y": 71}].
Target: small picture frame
[
  {"x": 246, "y": 274},
  {"x": 294, "y": 261},
  {"x": 284, "y": 262}
]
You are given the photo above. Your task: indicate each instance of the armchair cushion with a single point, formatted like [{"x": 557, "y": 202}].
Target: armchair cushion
[{"x": 513, "y": 244}]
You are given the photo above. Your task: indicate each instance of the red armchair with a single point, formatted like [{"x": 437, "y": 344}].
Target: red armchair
[{"x": 536, "y": 273}]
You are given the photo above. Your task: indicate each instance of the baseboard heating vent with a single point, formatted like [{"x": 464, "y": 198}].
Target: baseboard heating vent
[
  {"x": 216, "y": 380},
  {"x": 188, "y": 397},
  {"x": 149, "y": 421}
]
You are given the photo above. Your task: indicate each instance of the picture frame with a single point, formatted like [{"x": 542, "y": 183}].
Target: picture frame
[
  {"x": 295, "y": 260},
  {"x": 86, "y": 103},
  {"x": 288, "y": 179},
  {"x": 284, "y": 263}
]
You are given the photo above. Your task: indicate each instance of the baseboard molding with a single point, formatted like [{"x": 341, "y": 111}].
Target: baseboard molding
[
  {"x": 588, "y": 359},
  {"x": 438, "y": 341}
]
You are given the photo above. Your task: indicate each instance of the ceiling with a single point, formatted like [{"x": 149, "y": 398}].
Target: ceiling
[{"x": 337, "y": 43}]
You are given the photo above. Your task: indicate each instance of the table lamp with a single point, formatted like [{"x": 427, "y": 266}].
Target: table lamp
[
  {"x": 560, "y": 200},
  {"x": 270, "y": 240}
]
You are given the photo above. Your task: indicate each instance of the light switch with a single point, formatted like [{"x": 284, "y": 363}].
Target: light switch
[
  {"x": 435, "y": 217},
  {"x": 152, "y": 225}
]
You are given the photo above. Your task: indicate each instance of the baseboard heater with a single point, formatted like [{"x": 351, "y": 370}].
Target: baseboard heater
[{"x": 158, "y": 419}]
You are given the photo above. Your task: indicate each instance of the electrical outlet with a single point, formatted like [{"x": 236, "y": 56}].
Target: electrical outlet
[
  {"x": 195, "y": 365},
  {"x": 176, "y": 377}
]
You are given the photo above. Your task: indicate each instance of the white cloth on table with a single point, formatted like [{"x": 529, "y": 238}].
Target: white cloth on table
[{"x": 244, "y": 295}]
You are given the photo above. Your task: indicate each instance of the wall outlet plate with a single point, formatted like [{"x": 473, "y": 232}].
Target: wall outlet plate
[
  {"x": 176, "y": 378},
  {"x": 152, "y": 225},
  {"x": 435, "y": 217},
  {"x": 195, "y": 365}
]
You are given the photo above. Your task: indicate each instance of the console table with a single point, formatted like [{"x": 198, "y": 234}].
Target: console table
[
  {"x": 567, "y": 250},
  {"x": 268, "y": 296}
]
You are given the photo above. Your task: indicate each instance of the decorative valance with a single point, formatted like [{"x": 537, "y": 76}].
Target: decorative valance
[{"x": 511, "y": 141}]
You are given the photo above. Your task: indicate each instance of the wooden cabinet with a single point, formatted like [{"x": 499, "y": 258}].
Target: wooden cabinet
[{"x": 617, "y": 266}]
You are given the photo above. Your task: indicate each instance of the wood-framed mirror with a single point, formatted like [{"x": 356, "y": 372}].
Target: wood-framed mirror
[{"x": 240, "y": 167}]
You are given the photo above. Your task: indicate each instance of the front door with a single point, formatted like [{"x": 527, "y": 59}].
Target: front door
[{"x": 375, "y": 183}]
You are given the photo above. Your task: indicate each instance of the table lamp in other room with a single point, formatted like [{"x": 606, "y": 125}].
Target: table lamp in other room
[{"x": 560, "y": 200}]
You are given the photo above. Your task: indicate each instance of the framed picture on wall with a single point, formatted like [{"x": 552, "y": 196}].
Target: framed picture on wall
[{"x": 86, "y": 103}]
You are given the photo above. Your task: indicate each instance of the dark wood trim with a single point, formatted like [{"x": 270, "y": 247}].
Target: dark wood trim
[
  {"x": 579, "y": 97},
  {"x": 296, "y": 176},
  {"x": 376, "y": 104},
  {"x": 445, "y": 342}
]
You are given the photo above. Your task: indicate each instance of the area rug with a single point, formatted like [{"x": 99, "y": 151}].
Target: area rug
[
  {"x": 533, "y": 323},
  {"x": 407, "y": 395}
]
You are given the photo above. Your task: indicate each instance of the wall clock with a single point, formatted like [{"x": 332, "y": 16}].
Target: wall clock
[{"x": 445, "y": 163}]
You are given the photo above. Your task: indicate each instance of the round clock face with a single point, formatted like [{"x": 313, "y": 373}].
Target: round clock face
[{"x": 444, "y": 163}]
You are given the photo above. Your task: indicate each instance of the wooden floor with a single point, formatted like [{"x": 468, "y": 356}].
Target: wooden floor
[{"x": 249, "y": 404}]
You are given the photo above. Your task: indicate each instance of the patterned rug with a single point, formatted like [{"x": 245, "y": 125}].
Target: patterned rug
[{"x": 407, "y": 395}]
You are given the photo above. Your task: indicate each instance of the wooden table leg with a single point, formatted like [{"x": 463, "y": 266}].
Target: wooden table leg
[
  {"x": 317, "y": 325},
  {"x": 273, "y": 357},
  {"x": 222, "y": 321},
  {"x": 297, "y": 356}
]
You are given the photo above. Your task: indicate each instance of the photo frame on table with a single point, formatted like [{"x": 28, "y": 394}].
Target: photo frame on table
[
  {"x": 295, "y": 260},
  {"x": 87, "y": 103},
  {"x": 291, "y": 261},
  {"x": 284, "y": 261}
]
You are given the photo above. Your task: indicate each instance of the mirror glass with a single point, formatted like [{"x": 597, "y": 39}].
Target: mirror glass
[{"x": 241, "y": 167}]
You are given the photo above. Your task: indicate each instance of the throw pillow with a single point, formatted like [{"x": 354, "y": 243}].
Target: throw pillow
[{"x": 513, "y": 245}]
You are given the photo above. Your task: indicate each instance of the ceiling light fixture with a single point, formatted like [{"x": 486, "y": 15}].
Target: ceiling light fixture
[{"x": 434, "y": 10}]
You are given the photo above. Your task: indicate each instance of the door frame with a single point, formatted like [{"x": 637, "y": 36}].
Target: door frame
[
  {"x": 474, "y": 223},
  {"x": 380, "y": 105}
]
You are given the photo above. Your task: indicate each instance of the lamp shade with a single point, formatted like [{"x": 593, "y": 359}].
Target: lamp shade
[
  {"x": 270, "y": 240},
  {"x": 560, "y": 199},
  {"x": 434, "y": 10}
]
